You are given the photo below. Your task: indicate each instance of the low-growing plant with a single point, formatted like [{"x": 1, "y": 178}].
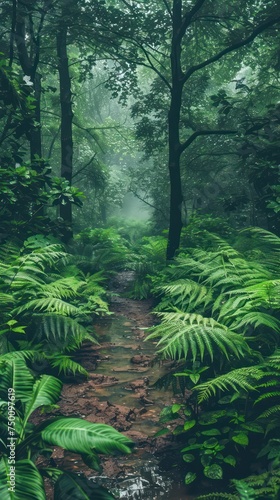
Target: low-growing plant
[
  {"x": 22, "y": 442},
  {"x": 149, "y": 258},
  {"x": 47, "y": 302},
  {"x": 219, "y": 311},
  {"x": 101, "y": 250}
]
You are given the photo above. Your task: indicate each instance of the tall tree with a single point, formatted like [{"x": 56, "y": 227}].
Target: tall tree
[
  {"x": 178, "y": 40},
  {"x": 27, "y": 32},
  {"x": 182, "y": 19},
  {"x": 66, "y": 114}
]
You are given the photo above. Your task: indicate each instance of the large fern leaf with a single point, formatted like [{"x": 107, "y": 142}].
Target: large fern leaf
[
  {"x": 64, "y": 332},
  {"x": 240, "y": 379},
  {"x": 49, "y": 305},
  {"x": 188, "y": 334},
  {"x": 186, "y": 295},
  {"x": 65, "y": 364},
  {"x": 62, "y": 288}
]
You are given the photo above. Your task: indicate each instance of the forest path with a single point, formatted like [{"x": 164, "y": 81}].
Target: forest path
[{"x": 119, "y": 393}]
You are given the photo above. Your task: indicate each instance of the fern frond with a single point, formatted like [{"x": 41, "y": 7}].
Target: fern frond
[
  {"x": 186, "y": 294},
  {"x": 271, "y": 412},
  {"x": 240, "y": 379},
  {"x": 18, "y": 279},
  {"x": 182, "y": 334},
  {"x": 266, "y": 237},
  {"x": 9, "y": 251},
  {"x": 48, "y": 304},
  {"x": 245, "y": 491},
  {"x": 274, "y": 360},
  {"x": 63, "y": 288},
  {"x": 254, "y": 318},
  {"x": 267, "y": 395},
  {"x": 10, "y": 356},
  {"x": 61, "y": 331},
  {"x": 264, "y": 478},
  {"x": 6, "y": 300},
  {"x": 66, "y": 365},
  {"x": 44, "y": 257}
]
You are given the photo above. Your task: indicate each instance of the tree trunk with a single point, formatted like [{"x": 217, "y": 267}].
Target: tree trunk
[
  {"x": 29, "y": 64},
  {"x": 176, "y": 195},
  {"x": 36, "y": 134},
  {"x": 66, "y": 121}
]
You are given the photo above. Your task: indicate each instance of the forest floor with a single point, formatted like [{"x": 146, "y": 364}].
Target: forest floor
[{"x": 119, "y": 391}]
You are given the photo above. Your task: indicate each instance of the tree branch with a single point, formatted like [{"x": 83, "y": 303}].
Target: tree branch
[
  {"x": 187, "y": 19},
  {"x": 231, "y": 48},
  {"x": 85, "y": 166},
  {"x": 154, "y": 68},
  {"x": 199, "y": 133},
  {"x": 167, "y": 8},
  {"x": 147, "y": 203},
  {"x": 12, "y": 35}
]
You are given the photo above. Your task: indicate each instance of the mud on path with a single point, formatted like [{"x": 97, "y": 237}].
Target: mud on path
[{"x": 119, "y": 392}]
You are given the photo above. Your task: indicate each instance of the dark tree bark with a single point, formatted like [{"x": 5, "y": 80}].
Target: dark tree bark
[
  {"x": 29, "y": 60},
  {"x": 66, "y": 120},
  {"x": 176, "y": 195},
  {"x": 36, "y": 134}
]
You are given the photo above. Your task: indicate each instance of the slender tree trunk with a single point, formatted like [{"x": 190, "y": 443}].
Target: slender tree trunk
[
  {"x": 176, "y": 195},
  {"x": 29, "y": 62},
  {"x": 66, "y": 121},
  {"x": 36, "y": 133}
]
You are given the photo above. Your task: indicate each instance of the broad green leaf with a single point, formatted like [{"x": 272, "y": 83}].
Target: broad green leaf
[
  {"x": 15, "y": 375},
  {"x": 251, "y": 426},
  {"x": 190, "y": 477},
  {"x": 195, "y": 377},
  {"x": 206, "y": 460},
  {"x": 213, "y": 471},
  {"x": 70, "y": 486},
  {"x": 189, "y": 424},
  {"x": 92, "y": 461},
  {"x": 80, "y": 436},
  {"x": 178, "y": 430},
  {"x": 192, "y": 447},
  {"x": 162, "y": 432},
  {"x": 211, "y": 432},
  {"x": 188, "y": 457},
  {"x": 46, "y": 391},
  {"x": 241, "y": 438},
  {"x": 210, "y": 443},
  {"x": 225, "y": 429},
  {"x": 230, "y": 460},
  {"x": 29, "y": 482},
  {"x": 175, "y": 408},
  {"x": 209, "y": 451}
]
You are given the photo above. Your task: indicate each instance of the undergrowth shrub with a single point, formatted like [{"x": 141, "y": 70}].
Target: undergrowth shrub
[
  {"x": 149, "y": 258},
  {"x": 219, "y": 309},
  {"x": 47, "y": 302},
  {"x": 101, "y": 250},
  {"x": 26, "y": 394}
]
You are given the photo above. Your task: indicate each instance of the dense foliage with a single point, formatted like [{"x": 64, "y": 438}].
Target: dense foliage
[
  {"x": 108, "y": 107},
  {"x": 219, "y": 321}
]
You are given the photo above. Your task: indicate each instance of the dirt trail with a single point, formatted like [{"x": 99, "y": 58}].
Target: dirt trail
[{"x": 118, "y": 393}]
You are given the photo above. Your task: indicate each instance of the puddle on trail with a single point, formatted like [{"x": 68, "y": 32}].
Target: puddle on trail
[
  {"x": 146, "y": 481},
  {"x": 125, "y": 344}
]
